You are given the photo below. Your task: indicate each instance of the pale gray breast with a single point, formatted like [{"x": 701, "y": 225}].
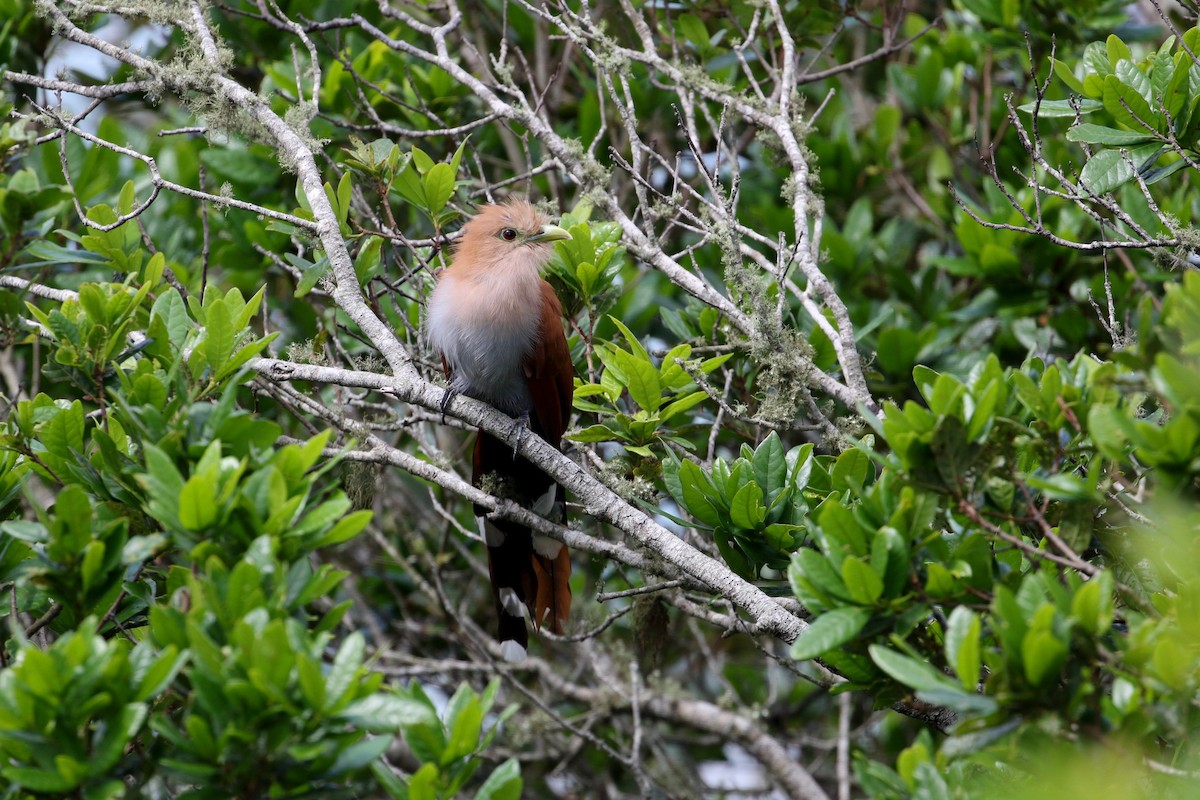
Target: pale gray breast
[{"x": 484, "y": 346}]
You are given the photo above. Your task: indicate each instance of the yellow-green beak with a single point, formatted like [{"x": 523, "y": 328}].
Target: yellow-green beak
[{"x": 550, "y": 233}]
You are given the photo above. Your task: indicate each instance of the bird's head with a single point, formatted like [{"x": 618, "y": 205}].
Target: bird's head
[{"x": 511, "y": 233}]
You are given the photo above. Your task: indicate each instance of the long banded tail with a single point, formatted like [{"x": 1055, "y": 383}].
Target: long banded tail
[{"x": 528, "y": 570}]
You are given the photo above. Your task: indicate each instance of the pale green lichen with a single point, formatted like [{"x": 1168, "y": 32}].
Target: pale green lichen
[
  {"x": 616, "y": 475},
  {"x": 298, "y": 118},
  {"x": 609, "y": 57},
  {"x": 595, "y": 178},
  {"x": 359, "y": 479},
  {"x": 371, "y": 362},
  {"x": 226, "y": 194},
  {"x": 783, "y": 354},
  {"x": 786, "y": 363},
  {"x": 306, "y": 352},
  {"x": 497, "y": 485},
  {"x": 1189, "y": 244}
]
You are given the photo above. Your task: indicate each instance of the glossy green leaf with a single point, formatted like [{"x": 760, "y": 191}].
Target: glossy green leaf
[
  {"x": 1113, "y": 137},
  {"x": 829, "y": 630},
  {"x": 746, "y": 509},
  {"x": 1109, "y": 169},
  {"x": 503, "y": 784},
  {"x": 864, "y": 584},
  {"x": 963, "y": 629},
  {"x": 907, "y": 670},
  {"x": 851, "y": 470}
]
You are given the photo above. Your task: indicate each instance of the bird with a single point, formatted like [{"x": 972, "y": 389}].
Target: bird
[{"x": 498, "y": 327}]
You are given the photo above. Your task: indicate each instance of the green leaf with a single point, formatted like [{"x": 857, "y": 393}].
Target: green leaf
[
  {"x": 360, "y": 754},
  {"x": 1116, "y": 50},
  {"x": 641, "y": 379},
  {"x": 74, "y": 509},
  {"x": 896, "y": 350},
  {"x": 345, "y": 529},
  {"x": 1067, "y": 76},
  {"x": 594, "y": 433},
  {"x": 912, "y": 673},
  {"x": 1099, "y": 134},
  {"x": 366, "y": 263},
  {"x": 164, "y": 483},
  {"x": 696, "y": 489},
  {"x": 1055, "y": 109},
  {"x": 1153, "y": 176},
  {"x": 1042, "y": 655},
  {"x": 586, "y": 273},
  {"x": 423, "y": 784},
  {"x": 345, "y": 190},
  {"x": 38, "y": 780},
  {"x": 809, "y": 565},
  {"x": 91, "y": 297},
  {"x": 939, "y": 581},
  {"x": 439, "y": 186},
  {"x": 503, "y": 784},
  {"x": 694, "y": 31},
  {"x": 1092, "y": 605},
  {"x": 64, "y": 330},
  {"x": 345, "y": 669},
  {"x": 1109, "y": 169},
  {"x": 63, "y": 434},
  {"x": 634, "y": 345},
  {"x": 388, "y": 713},
  {"x": 464, "y": 721},
  {"x": 851, "y": 470},
  {"x": 783, "y": 537},
  {"x": 395, "y": 788},
  {"x": 219, "y": 335},
  {"x": 1128, "y": 106},
  {"x": 746, "y": 509},
  {"x": 51, "y": 254},
  {"x": 310, "y": 275},
  {"x": 197, "y": 504},
  {"x": 962, "y": 645},
  {"x": 1176, "y": 96},
  {"x": 1062, "y": 486},
  {"x": 1172, "y": 664},
  {"x": 770, "y": 463},
  {"x": 25, "y": 531},
  {"x": 161, "y": 672},
  {"x": 421, "y": 160},
  {"x": 89, "y": 567},
  {"x": 829, "y": 630},
  {"x": 864, "y": 584},
  {"x": 682, "y": 404},
  {"x": 1134, "y": 78},
  {"x": 733, "y": 555},
  {"x": 170, "y": 307},
  {"x": 116, "y": 736},
  {"x": 456, "y": 159},
  {"x": 408, "y": 184},
  {"x": 842, "y": 529},
  {"x": 1107, "y": 427},
  {"x": 244, "y": 354}
]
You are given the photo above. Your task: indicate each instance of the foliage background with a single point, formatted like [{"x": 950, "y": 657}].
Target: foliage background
[{"x": 884, "y": 472}]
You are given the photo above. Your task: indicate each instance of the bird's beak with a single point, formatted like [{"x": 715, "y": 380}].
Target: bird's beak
[{"x": 550, "y": 233}]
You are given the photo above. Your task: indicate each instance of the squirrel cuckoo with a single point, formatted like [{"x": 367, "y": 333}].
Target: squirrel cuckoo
[{"x": 498, "y": 326}]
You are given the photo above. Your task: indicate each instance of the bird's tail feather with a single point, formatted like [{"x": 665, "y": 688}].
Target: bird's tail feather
[
  {"x": 552, "y": 604},
  {"x": 526, "y": 569},
  {"x": 524, "y": 576},
  {"x": 512, "y": 582}
]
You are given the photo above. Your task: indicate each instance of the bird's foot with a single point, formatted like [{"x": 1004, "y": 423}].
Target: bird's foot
[
  {"x": 447, "y": 396},
  {"x": 520, "y": 424}
]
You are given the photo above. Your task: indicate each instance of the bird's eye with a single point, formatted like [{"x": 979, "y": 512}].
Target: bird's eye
[{"x": 508, "y": 234}]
